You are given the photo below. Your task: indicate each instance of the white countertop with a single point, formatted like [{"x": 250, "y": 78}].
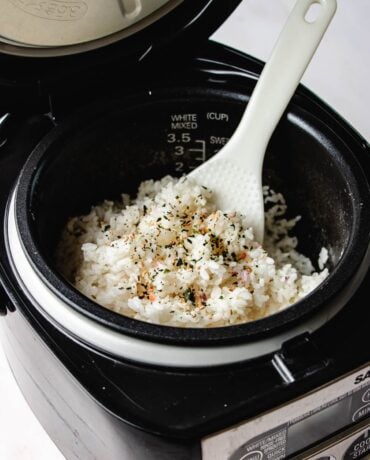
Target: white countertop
[{"x": 339, "y": 74}]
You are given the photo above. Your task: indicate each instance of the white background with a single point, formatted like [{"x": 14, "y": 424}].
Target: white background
[{"x": 339, "y": 74}]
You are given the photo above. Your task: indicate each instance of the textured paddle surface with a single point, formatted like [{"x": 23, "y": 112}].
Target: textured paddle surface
[{"x": 235, "y": 189}]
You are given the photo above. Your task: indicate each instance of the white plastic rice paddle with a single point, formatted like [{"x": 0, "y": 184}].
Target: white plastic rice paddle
[{"x": 235, "y": 172}]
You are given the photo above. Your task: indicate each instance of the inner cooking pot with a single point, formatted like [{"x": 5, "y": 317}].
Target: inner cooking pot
[{"x": 103, "y": 152}]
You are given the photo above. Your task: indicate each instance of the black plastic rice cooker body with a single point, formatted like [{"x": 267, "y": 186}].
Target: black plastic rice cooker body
[{"x": 100, "y": 394}]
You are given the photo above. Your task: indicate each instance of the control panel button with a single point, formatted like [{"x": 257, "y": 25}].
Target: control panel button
[{"x": 359, "y": 448}]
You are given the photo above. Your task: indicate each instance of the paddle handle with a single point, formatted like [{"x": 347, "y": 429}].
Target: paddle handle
[{"x": 280, "y": 77}]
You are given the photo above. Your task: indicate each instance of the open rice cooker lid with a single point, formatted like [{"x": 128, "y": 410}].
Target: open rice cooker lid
[
  {"x": 59, "y": 28},
  {"x": 61, "y": 44}
]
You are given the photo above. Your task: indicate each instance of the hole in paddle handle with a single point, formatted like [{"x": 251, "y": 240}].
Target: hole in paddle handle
[{"x": 313, "y": 12}]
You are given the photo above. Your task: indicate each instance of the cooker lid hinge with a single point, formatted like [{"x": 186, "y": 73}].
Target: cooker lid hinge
[{"x": 299, "y": 358}]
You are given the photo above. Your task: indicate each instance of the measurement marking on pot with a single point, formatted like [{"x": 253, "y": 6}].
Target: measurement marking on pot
[
  {"x": 217, "y": 140},
  {"x": 218, "y": 116},
  {"x": 184, "y": 121},
  {"x": 202, "y": 150},
  {"x": 178, "y": 137},
  {"x": 179, "y": 150}
]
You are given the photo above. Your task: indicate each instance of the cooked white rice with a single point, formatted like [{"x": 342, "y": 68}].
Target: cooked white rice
[{"x": 170, "y": 257}]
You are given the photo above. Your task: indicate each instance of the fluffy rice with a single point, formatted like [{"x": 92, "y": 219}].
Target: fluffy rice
[{"x": 170, "y": 257}]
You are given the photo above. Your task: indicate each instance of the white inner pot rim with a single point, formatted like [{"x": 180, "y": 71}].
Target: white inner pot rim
[{"x": 144, "y": 351}]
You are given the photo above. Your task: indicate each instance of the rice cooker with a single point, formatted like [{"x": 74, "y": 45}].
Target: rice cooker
[{"x": 95, "y": 98}]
